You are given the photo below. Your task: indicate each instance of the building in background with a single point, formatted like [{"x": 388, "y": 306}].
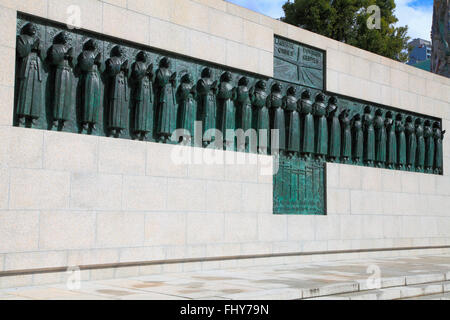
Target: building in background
[
  {"x": 420, "y": 54},
  {"x": 440, "y": 35}
]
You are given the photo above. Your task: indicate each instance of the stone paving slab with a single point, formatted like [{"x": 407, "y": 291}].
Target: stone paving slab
[{"x": 345, "y": 280}]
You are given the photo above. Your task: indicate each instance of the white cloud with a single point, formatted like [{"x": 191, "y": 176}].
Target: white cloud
[{"x": 418, "y": 18}]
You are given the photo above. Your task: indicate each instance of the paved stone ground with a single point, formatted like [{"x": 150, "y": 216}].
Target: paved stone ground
[{"x": 331, "y": 280}]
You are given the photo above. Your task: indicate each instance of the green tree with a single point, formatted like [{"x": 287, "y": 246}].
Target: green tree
[{"x": 346, "y": 21}]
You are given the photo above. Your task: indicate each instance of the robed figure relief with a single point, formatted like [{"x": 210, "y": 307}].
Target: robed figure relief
[
  {"x": 259, "y": 99},
  {"x": 369, "y": 136},
  {"x": 187, "y": 108},
  {"x": 30, "y": 97},
  {"x": 391, "y": 148},
  {"x": 429, "y": 146},
  {"x": 226, "y": 95},
  {"x": 438, "y": 137},
  {"x": 321, "y": 125},
  {"x": 358, "y": 138},
  {"x": 401, "y": 141},
  {"x": 380, "y": 138},
  {"x": 307, "y": 130},
  {"x": 167, "y": 106},
  {"x": 207, "y": 90},
  {"x": 118, "y": 100},
  {"x": 244, "y": 114},
  {"x": 346, "y": 127},
  {"x": 292, "y": 121},
  {"x": 278, "y": 124},
  {"x": 61, "y": 58},
  {"x": 142, "y": 81},
  {"x": 334, "y": 141},
  {"x": 90, "y": 65},
  {"x": 420, "y": 155},
  {"x": 411, "y": 142}
]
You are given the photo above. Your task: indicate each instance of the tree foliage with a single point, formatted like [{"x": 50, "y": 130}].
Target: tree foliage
[{"x": 346, "y": 21}]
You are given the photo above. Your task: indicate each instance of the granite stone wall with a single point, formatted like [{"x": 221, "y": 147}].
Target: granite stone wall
[{"x": 68, "y": 199}]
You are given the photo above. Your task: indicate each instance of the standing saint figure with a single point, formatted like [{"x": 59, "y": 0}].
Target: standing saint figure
[
  {"x": 207, "y": 90},
  {"x": 117, "y": 71},
  {"x": 244, "y": 114},
  {"x": 420, "y": 155},
  {"x": 226, "y": 95},
  {"x": 401, "y": 141},
  {"x": 61, "y": 57},
  {"x": 167, "y": 106},
  {"x": 438, "y": 137},
  {"x": 29, "y": 73},
  {"x": 358, "y": 138},
  {"x": 334, "y": 151},
  {"x": 308, "y": 132},
  {"x": 90, "y": 65},
  {"x": 259, "y": 100},
  {"x": 142, "y": 80},
  {"x": 429, "y": 146},
  {"x": 187, "y": 108},
  {"x": 369, "y": 132},
  {"x": 321, "y": 125},
  {"x": 391, "y": 157},
  {"x": 411, "y": 143},
  {"x": 380, "y": 138},
  {"x": 277, "y": 119},
  {"x": 292, "y": 121},
  {"x": 346, "y": 126}
]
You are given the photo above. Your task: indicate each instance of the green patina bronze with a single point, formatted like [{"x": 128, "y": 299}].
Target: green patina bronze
[
  {"x": 299, "y": 186},
  {"x": 76, "y": 81},
  {"x": 299, "y": 64}
]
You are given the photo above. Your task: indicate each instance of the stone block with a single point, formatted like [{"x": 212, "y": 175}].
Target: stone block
[
  {"x": 207, "y": 47},
  {"x": 117, "y": 156},
  {"x": 25, "y": 148},
  {"x": 266, "y": 63},
  {"x": 349, "y": 177},
  {"x": 360, "y": 68},
  {"x": 6, "y": 105},
  {"x": 278, "y": 27},
  {"x": 371, "y": 179},
  {"x": 227, "y": 26},
  {"x": 328, "y": 228},
  {"x": 351, "y": 227},
  {"x": 19, "y": 231},
  {"x": 4, "y": 188},
  {"x": 391, "y": 181},
  {"x": 205, "y": 228},
  {"x": 144, "y": 193},
  {"x": 258, "y": 198},
  {"x": 399, "y": 79},
  {"x": 186, "y": 195},
  {"x": 165, "y": 229},
  {"x": 330, "y": 289},
  {"x": 161, "y": 9},
  {"x": 36, "y": 7},
  {"x": 180, "y": 37},
  {"x": 8, "y": 32},
  {"x": 410, "y": 182},
  {"x": 65, "y": 11},
  {"x": 59, "y": 230},
  {"x": 190, "y": 14},
  {"x": 332, "y": 80},
  {"x": 16, "y": 281},
  {"x": 115, "y": 19},
  {"x": 142, "y": 254},
  {"x": 272, "y": 227},
  {"x": 118, "y": 3},
  {"x": 241, "y": 56},
  {"x": 39, "y": 189},
  {"x": 7, "y": 65},
  {"x": 223, "y": 196},
  {"x": 380, "y": 73},
  {"x": 120, "y": 229},
  {"x": 92, "y": 256},
  {"x": 424, "y": 278},
  {"x": 339, "y": 61},
  {"x": 258, "y": 36},
  {"x": 301, "y": 227},
  {"x": 70, "y": 152},
  {"x": 427, "y": 184},
  {"x": 242, "y": 12},
  {"x": 338, "y": 201},
  {"x": 241, "y": 227},
  {"x": 35, "y": 260},
  {"x": 96, "y": 191}
]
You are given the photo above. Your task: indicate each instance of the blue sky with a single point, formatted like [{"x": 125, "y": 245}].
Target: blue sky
[{"x": 417, "y": 14}]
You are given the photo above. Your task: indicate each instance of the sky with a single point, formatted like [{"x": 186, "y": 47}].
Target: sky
[{"x": 417, "y": 14}]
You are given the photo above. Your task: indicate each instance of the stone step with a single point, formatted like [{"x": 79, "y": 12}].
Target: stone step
[
  {"x": 387, "y": 288},
  {"x": 395, "y": 293}
]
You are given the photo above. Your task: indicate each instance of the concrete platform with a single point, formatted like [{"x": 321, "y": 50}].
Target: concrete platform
[{"x": 425, "y": 277}]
